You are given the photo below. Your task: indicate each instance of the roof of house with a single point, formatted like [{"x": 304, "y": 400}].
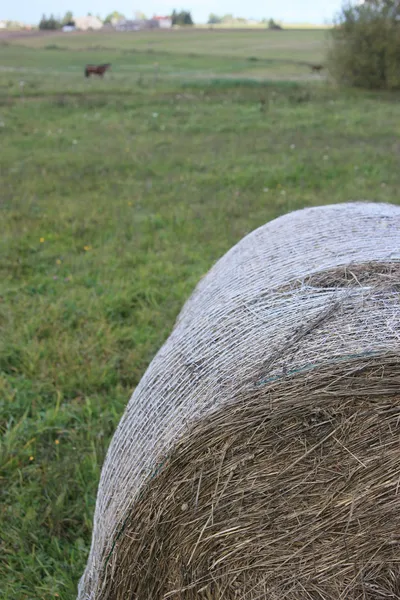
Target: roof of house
[{"x": 87, "y": 22}]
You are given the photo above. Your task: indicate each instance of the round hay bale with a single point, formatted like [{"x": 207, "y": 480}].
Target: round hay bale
[{"x": 259, "y": 457}]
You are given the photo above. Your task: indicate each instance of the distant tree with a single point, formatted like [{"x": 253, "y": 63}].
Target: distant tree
[
  {"x": 214, "y": 19},
  {"x": 273, "y": 25},
  {"x": 182, "y": 18},
  {"x": 140, "y": 16},
  {"x": 115, "y": 15},
  {"x": 68, "y": 18},
  {"x": 187, "y": 19},
  {"x": 50, "y": 23}
]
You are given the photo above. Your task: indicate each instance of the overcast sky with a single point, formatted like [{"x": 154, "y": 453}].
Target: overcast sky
[{"x": 291, "y": 11}]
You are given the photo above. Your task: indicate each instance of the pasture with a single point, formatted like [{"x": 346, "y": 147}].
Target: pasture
[{"x": 117, "y": 195}]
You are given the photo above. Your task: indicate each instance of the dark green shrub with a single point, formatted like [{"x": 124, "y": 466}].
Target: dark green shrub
[
  {"x": 273, "y": 25},
  {"x": 183, "y": 17},
  {"x": 365, "y": 45}
]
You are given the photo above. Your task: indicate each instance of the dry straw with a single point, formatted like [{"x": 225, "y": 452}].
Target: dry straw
[{"x": 259, "y": 458}]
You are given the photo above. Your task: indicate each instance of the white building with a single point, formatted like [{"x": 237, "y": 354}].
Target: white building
[
  {"x": 129, "y": 25},
  {"x": 86, "y": 23},
  {"x": 164, "y": 22},
  {"x": 137, "y": 24}
]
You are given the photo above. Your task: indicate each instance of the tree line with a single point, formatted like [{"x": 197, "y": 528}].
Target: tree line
[
  {"x": 183, "y": 17},
  {"x": 229, "y": 19},
  {"x": 53, "y": 22}
]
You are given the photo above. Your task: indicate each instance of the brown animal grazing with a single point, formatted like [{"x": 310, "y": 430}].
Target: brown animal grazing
[
  {"x": 96, "y": 69},
  {"x": 316, "y": 68}
]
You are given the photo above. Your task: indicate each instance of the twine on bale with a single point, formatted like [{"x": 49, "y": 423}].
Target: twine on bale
[{"x": 260, "y": 455}]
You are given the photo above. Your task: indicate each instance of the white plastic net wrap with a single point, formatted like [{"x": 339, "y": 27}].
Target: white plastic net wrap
[{"x": 260, "y": 314}]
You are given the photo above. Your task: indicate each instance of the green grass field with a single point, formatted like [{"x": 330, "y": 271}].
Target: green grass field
[
  {"x": 294, "y": 45},
  {"x": 117, "y": 195}
]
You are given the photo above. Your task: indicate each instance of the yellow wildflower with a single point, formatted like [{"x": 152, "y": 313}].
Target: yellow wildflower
[{"x": 41, "y": 240}]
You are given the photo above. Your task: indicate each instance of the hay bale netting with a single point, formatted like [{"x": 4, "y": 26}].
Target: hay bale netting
[{"x": 260, "y": 455}]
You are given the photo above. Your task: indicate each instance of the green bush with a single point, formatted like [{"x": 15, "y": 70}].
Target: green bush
[{"x": 365, "y": 48}]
